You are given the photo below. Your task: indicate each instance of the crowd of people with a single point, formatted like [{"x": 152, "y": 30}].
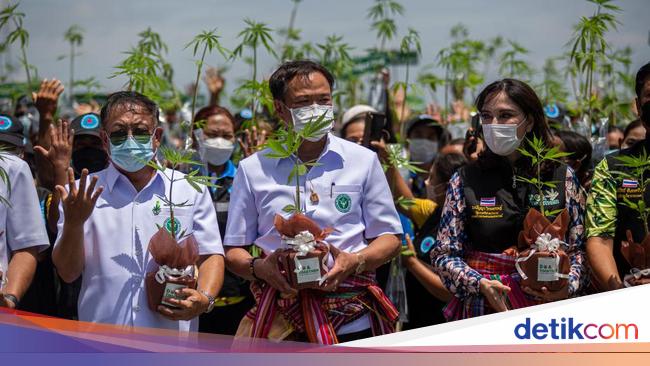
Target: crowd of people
[{"x": 82, "y": 199}]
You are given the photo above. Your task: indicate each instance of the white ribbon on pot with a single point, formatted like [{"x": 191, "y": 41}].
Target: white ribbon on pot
[
  {"x": 636, "y": 274},
  {"x": 544, "y": 243},
  {"x": 166, "y": 271},
  {"x": 303, "y": 243}
]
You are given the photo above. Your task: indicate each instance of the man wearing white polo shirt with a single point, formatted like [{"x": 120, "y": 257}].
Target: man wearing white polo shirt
[
  {"x": 104, "y": 234},
  {"x": 346, "y": 190}
]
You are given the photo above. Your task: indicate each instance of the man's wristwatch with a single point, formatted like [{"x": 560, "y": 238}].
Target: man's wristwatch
[{"x": 211, "y": 300}]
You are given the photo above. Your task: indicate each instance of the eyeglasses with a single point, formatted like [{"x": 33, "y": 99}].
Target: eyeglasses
[{"x": 140, "y": 135}]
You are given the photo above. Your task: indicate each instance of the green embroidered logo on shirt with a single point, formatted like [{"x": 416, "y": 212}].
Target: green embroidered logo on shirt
[
  {"x": 168, "y": 225},
  {"x": 156, "y": 208},
  {"x": 343, "y": 203}
]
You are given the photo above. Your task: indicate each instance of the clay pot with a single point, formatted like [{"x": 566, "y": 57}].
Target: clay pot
[
  {"x": 165, "y": 250},
  {"x": 536, "y": 224}
]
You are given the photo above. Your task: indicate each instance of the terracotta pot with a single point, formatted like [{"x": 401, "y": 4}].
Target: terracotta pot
[
  {"x": 636, "y": 254},
  {"x": 166, "y": 251},
  {"x": 157, "y": 291},
  {"x": 537, "y": 273}
]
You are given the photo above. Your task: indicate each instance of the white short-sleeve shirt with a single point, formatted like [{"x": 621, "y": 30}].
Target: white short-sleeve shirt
[
  {"x": 22, "y": 224},
  {"x": 353, "y": 198},
  {"x": 116, "y": 238}
]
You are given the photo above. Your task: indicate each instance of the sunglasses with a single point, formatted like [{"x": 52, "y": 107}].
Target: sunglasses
[{"x": 140, "y": 135}]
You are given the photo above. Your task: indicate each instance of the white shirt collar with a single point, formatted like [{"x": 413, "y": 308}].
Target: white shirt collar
[
  {"x": 332, "y": 145},
  {"x": 113, "y": 175}
]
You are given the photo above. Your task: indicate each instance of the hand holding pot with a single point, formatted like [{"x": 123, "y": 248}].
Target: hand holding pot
[{"x": 268, "y": 271}]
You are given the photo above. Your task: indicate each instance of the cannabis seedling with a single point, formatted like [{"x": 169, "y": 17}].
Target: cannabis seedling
[{"x": 539, "y": 153}]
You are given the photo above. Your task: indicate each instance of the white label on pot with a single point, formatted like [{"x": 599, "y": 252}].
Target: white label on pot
[
  {"x": 547, "y": 269},
  {"x": 310, "y": 270},
  {"x": 170, "y": 293}
]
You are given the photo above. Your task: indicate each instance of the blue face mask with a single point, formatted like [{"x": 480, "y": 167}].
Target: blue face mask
[{"x": 132, "y": 156}]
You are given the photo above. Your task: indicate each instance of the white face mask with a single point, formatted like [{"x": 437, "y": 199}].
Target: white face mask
[
  {"x": 303, "y": 115},
  {"x": 502, "y": 139},
  {"x": 423, "y": 150},
  {"x": 217, "y": 151}
]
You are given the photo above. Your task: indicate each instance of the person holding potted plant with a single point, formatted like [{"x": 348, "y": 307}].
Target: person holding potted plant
[
  {"x": 343, "y": 188},
  {"x": 103, "y": 233},
  {"x": 217, "y": 142},
  {"x": 614, "y": 218},
  {"x": 475, "y": 251}
]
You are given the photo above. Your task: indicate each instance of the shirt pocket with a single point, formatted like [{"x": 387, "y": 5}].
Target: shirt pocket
[
  {"x": 183, "y": 219},
  {"x": 346, "y": 201}
]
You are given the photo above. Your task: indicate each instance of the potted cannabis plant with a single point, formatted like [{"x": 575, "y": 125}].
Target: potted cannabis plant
[
  {"x": 174, "y": 250},
  {"x": 542, "y": 260},
  {"x": 304, "y": 256}
]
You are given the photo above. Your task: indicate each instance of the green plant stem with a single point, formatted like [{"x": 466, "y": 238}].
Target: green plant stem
[
  {"x": 196, "y": 90},
  {"x": 171, "y": 203},
  {"x": 254, "y": 99},
  {"x": 71, "y": 73},
  {"x": 25, "y": 63},
  {"x": 406, "y": 86},
  {"x": 539, "y": 184}
]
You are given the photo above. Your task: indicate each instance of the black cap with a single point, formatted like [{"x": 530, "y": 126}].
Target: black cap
[
  {"x": 11, "y": 131},
  {"x": 423, "y": 119},
  {"x": 86, "y": 124}
]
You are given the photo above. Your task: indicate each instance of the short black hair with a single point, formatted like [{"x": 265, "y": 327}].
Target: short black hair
[
  {"x": 128, "y": 97},
  {"x": 579, "y": 147},
  {"x": 289, "y": 70},
  {"x": 445, "y": 165},
  {"x": 614, "y": 128},
  {"x": 632, "y": 125},
  {"x": 641, "y": 76}
]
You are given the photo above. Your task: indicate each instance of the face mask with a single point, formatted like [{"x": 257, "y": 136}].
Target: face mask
[
  {"x": 216, "y": 151},
  {"x": 132, "y": 156},
  {"x": 26, "y": 122},
  {"x": 502, "y": 139},
  {"x": 423, "y": 150},
  {"x": 303, "y": 115},
  {"x": 89, "y": 158}
]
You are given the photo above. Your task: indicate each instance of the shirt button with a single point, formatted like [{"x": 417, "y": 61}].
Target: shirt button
[{"x": 136, "y": 308}]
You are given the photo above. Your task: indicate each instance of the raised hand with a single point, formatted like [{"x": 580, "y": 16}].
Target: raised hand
[
  {"x": 47, "y": 97},
  {"x": 78, "y": 203},
  {"x": 252, "y": 141},
  {"x": 60, "y": 151},
  {"x": 213, "y": 80}
]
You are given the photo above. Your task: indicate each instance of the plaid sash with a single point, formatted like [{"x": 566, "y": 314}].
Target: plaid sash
[
  {"x": 319, "y": 314},
  {"x": 499, "y": 267}
]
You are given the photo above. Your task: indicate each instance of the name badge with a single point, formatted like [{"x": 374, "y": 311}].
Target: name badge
[{"x": 547, "y": 269}]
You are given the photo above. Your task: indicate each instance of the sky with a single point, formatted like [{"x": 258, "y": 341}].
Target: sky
[{"x": 111, "y": 27}]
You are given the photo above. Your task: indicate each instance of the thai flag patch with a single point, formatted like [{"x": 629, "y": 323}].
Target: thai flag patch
[
  {"x": 629, "y": 183},
  {"x": 488, "y": 202}
]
